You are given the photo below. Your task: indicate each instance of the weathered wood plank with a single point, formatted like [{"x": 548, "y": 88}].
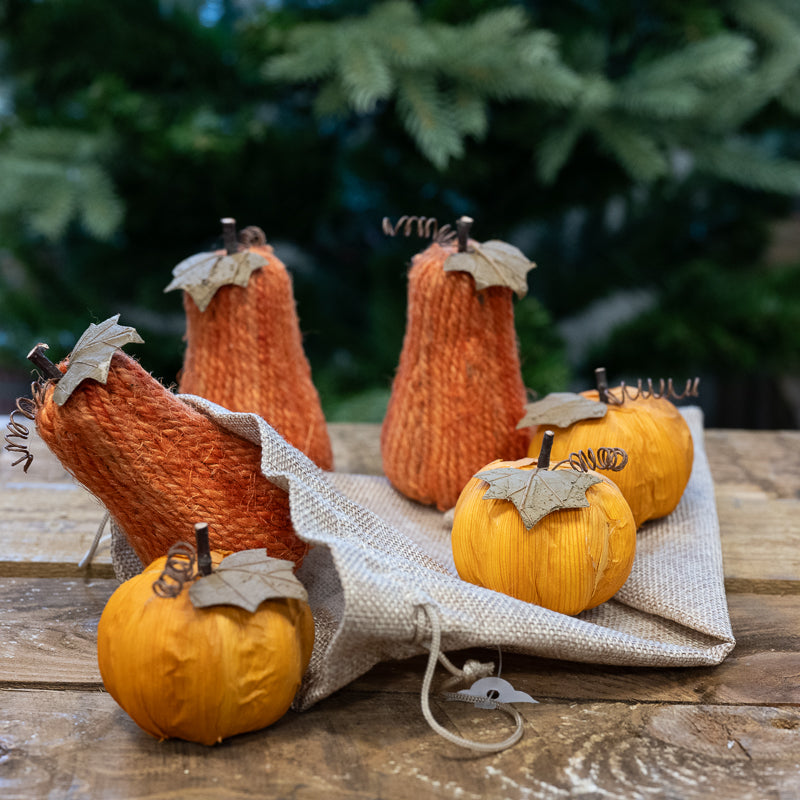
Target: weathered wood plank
[
  {"x": 47, "y": 523},
  {"x": 48, "y": 629},
  {"x": 357, "y": 745}
]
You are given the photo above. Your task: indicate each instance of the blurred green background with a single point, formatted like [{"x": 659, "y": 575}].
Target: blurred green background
[{"x": 645, "y": 154}]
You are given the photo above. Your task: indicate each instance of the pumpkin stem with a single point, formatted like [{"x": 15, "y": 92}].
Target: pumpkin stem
[
  {"x": 602, "y": 384},
  {"x": 203, "y": 550},
  {"x": 43, "y": 363},
  {"x": 229, "y": 235},
  {"x": 463, "y": 225},
  {"x": 543, "y": 462}
]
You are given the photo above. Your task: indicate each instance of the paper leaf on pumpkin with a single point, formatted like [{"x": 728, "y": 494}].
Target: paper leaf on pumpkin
[
  {"x": 201, "y": 275},
  {"x": 493, "y": 263},
  {"x": 538, "y": 492},
  {"x": 246, "y": 579},
  {"x": 561, "y": 409},
  {"x": 91, "y": 356}
]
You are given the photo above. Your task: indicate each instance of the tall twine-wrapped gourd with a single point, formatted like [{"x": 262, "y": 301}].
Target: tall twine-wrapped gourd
[
  {"x": 159, "y": 466},
  {"x": 458, "y": 391},
  {"x": 244, "y": 351}
]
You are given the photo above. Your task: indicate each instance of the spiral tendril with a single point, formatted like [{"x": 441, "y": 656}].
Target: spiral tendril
[
  {"x": 647, "y": 390},
  {"x": 18, "y": 432},
  {"x": 611, "y": 459},
  {"x": 178, "y": 571},
  {"x": 425, "y": 227}
]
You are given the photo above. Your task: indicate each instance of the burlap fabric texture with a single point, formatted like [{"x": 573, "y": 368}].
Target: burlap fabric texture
[{"x": 381, "y": 568}]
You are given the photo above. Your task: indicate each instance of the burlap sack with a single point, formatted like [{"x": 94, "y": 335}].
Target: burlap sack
[{"x": 381, "y": 575}]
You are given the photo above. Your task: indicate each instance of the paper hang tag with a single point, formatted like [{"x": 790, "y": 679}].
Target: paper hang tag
[{"x": 494, "y": 690}]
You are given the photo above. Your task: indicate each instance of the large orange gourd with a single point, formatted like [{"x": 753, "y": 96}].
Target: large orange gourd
[
  {"x": 244, "y": 351},
  {"x": 458, "y": 391},
  {"x": 158, "y": 465}
]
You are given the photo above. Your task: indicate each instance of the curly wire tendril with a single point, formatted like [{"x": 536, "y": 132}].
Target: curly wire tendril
[
  {"x": 425, "y": 227},
  {"x": 178, "y": 571},
  {"x": 647, "y": 390},
  {"x": 252, "y": 236},
  {"x": 18, "y": 432},
  {"x": 611, "y": 459}
]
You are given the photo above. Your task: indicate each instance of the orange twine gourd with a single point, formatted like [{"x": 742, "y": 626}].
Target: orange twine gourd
[
  {"x": 245, "y": 353},
  {"x": 458, "y": 391},
  {"x": 159, "y": 466}
]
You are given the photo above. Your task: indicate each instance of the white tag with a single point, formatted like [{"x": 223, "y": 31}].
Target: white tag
[{"x": 495, "y": 690}]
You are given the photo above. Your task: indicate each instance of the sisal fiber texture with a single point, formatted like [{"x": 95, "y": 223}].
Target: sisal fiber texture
[
  {"x": 458, "y": 392},
  {"x": 159, "y": 466},
  {"x": 381, "y": 568},
  {"x": 245, "y": 353}
]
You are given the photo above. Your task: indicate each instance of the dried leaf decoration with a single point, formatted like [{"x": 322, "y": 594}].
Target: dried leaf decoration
[
  {"x": 561, "y": 409},
  {"x": 91, "y": 356},
  {"x": 246, "y": 579},
  {"x": 201, "y": 275},
  {"x": 493, "y": 263},
  {"x": 537, "y": 492}
]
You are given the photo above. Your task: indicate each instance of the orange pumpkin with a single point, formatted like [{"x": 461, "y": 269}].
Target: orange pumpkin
[
  {"x": 201, "y": 674},
  {"x": 570, "y": 560},
  {"x": 658, "y": 442}
]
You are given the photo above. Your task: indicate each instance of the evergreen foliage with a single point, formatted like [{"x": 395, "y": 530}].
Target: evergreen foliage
[{"x": 617, "y": 144}]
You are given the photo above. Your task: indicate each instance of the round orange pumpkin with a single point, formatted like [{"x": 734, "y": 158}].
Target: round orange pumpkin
[
  {"x": 201, "y": 674},
  {"x": 657, "y": 440},
  {"x": 571, "y": 560}
]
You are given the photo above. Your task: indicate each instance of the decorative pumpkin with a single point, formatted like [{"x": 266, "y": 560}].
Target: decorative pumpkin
[
  {"x": 654, "y": 434},
  {"x": 244, "y": 348},
  {"x": 458, "y": 391},
  {"x": 201, "y": 674},
  {"x": 568, "y": 560},
  {"x": 156, "y": 463}
]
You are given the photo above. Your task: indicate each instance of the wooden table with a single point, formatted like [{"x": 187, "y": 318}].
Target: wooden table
[{"x": 598, "y": 732}]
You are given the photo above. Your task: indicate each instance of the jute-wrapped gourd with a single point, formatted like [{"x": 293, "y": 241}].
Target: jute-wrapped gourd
[
  {"x": 244, "y": 348},
  {"x": 458, "y": 391},
  {"x": 154, "y": 462},
  {"x": 648, "y": 426}
]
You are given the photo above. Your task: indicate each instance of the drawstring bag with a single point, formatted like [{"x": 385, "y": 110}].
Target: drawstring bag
[{"x": 382, "y": 584}]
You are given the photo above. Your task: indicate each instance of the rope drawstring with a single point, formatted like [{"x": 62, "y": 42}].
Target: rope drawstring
[{"x": 472, "y": 669}]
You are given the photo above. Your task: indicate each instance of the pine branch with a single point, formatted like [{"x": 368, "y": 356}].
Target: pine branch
[
  {"x": 638, "y": 153},
  {"x": 741, "y": 163},
  {"x": 52, "y": 176}
]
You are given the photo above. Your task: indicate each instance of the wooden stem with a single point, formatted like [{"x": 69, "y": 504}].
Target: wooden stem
[
  {"x": 229, "y": 235},
  {"x": 38, "y": 358},
  {"x": 602, "y": 384},
  {"x": 463, "y": 226},
  {"x": 204, "y": 566},
  {"x": 543, "y": 462}
]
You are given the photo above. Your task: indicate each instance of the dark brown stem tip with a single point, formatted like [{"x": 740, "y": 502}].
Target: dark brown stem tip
[
  {"x": 229, "y": 238},
  {"x": 38, "y": 358},
  {"x": 602, "y": 384},
  {"x": 543, "y": 462},
  {"x": 463, "y": 227},
  {"x": 204, "y": 565}
]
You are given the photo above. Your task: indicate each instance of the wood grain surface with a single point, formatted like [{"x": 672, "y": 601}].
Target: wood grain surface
[{"x": 597, "y": 732}]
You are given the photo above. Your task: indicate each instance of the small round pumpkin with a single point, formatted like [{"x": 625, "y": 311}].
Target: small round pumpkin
[
  {"x": 657, "y": 440},
  {"x": 570, "y": 560},
  {"x": 201, "y": 674}
]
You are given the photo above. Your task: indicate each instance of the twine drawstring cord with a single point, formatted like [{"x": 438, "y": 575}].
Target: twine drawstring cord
[{"x": 472, "y": 671}]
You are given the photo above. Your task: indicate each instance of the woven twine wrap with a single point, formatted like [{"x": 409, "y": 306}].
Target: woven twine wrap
[
  {"x": 245, "y": 352},
  {"x": 382, "y": 565},
  {"x": 459, "y": 361}
]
